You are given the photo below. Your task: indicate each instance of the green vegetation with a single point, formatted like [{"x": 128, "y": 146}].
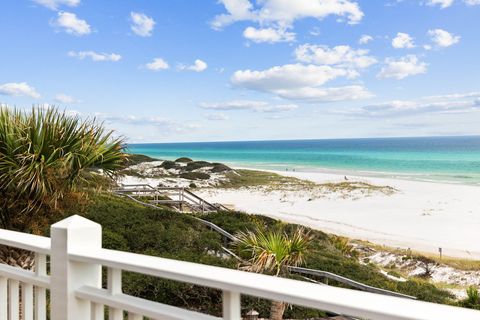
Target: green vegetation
[
  {"x": 195, "y": 165},
  {"x": 473, "y": 298},
  {"x": 131, "y": 227},
  {"x": 272, "y": 252},
  {"x": 138, "y": 158},
  {"x": 273, "y": 181},
  {"x": 349, "y": 186},
  {"x": 184, "y": 160},
  {"x": 47, "y": 161},
  {"x": 252, "y": 178},
  {"x": 195, "y": 176},
  {"x": 456, "y": 263},
  {"x": 325, "y": 256},
  {"x": 167, "y": 164},
  {"x": 47, "y": 158},
  {"x": 243, "y": 178},
  {"x": 219, "y": 167}
]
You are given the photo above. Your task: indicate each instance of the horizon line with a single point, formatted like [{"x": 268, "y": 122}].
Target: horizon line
[{"x": 312, "y": 139}]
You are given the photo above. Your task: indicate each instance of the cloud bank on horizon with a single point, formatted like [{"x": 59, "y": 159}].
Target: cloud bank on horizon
[{"x": 245, "y": 69}]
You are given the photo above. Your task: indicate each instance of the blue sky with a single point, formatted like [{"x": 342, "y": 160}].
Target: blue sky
[{"x": 178, "y": 70}]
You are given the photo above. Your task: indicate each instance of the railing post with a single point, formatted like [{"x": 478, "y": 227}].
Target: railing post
[
  {"x": 231, "y": 305},
  {"x": 40, "y": 293},
  {"x": 68, "y": 235},
  {"x": 3, "y": 298}
]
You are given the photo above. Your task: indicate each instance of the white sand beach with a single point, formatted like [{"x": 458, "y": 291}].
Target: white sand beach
[{"x": 423, "y": 216}]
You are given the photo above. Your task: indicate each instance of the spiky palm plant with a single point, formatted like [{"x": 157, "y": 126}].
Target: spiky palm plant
[
  {"x": 272, "y": 252},
  {"x": 47, "y": 156}
]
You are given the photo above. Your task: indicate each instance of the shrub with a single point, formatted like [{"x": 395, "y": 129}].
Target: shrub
[
  {"x": 218, "y": 167},
  {"x": 195, "y": 176},
  {"x": 48, "y": 157},
  {"x": 194, "y": 165},
  {"x": 427, "y": 264},
  {"x": 184, "y": 160},
  {"x": 138, "y": 158},
  {"x": 473, "y": 298},
  {"x": 168, "y": 164}
]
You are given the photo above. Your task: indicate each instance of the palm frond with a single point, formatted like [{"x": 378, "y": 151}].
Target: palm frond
[
  {"x": 273, "y": 251},
  {"x": 45, "y": 154}
]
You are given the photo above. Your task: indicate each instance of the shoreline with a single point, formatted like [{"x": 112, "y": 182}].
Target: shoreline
[{"x": 418, "y": 177}]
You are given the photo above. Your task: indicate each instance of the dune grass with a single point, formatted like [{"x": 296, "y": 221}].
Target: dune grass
[
  {"x": 244, "y": 178},
  {"x": 454, "y": 262}
]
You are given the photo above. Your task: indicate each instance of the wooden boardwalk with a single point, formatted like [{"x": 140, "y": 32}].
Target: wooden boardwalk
[{"x": 181, "y": 199}]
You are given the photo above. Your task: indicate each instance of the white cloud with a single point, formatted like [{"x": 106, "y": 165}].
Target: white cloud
[
  {"x": 157, "y": 64},
  {"x": 286, "y": 76},
  {"x": 445, "y": 104},
  {"x": 329, "y": 94},
  {"x": 403, "y": 67},
  {"x": 217, "y": 116},
  {"x": 252, "y": 105},
  {"x": 238, "y": 10},
  {"x": 284, "y": 13},
  {"x": 403, "y": 41},
  {"x": 63, "y": 98},
  {"x": 340, "y": 55},
  {"x": 269, "y": 35},
  {"x": 71, "y": 24},
  {"x": 142, "y": 25},
  {"x": 167, "y": 125},
  {"x": 275, "y": 17},
  {"x": 442, "y": 3},
  {"x": 18, "y": 89},
  {"x": 55, "y": 4},
  {"x": 95, "y": 56},
  {"x": 447, "y": 3},
  {"x": 198, "y": 66},
  {"x": 364, "y": 39},
  {"x": 443, "y": 38},
  {"x": 300, "y": 82}
]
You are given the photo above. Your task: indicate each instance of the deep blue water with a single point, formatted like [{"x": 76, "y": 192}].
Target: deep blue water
[{"x": 453, "y": 159}]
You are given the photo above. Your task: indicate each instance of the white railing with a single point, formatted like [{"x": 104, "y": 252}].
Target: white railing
[{"x": 76, "y": 293}]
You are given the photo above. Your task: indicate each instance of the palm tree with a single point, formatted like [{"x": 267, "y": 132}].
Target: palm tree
[
  {"x": 47, "y": 157},
  {"x": 272, "y": 252}
]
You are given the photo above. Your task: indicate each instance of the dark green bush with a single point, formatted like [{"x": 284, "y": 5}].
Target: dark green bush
[
  {"x": 168, "y": 164},
  {"x": 218, "y": 167},
  {"x": 195, "y": 176},
  {"x": 197, "y": 165},
  {"x": 184, "y": 160},
  {"x": 138, "y": 158}
]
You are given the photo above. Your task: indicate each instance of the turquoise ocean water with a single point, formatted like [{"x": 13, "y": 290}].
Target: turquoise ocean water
[{"x": 450, "y": 159}]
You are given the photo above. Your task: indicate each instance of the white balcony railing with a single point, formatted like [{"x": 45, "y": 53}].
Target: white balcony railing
[{"x": 76, "y": 293}]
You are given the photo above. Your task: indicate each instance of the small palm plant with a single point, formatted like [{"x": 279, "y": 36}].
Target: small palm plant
[
  {"x": 272, "y": 252},
  {"x": 45, "y": 157},
  {"x": 473, "y": 298}
]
